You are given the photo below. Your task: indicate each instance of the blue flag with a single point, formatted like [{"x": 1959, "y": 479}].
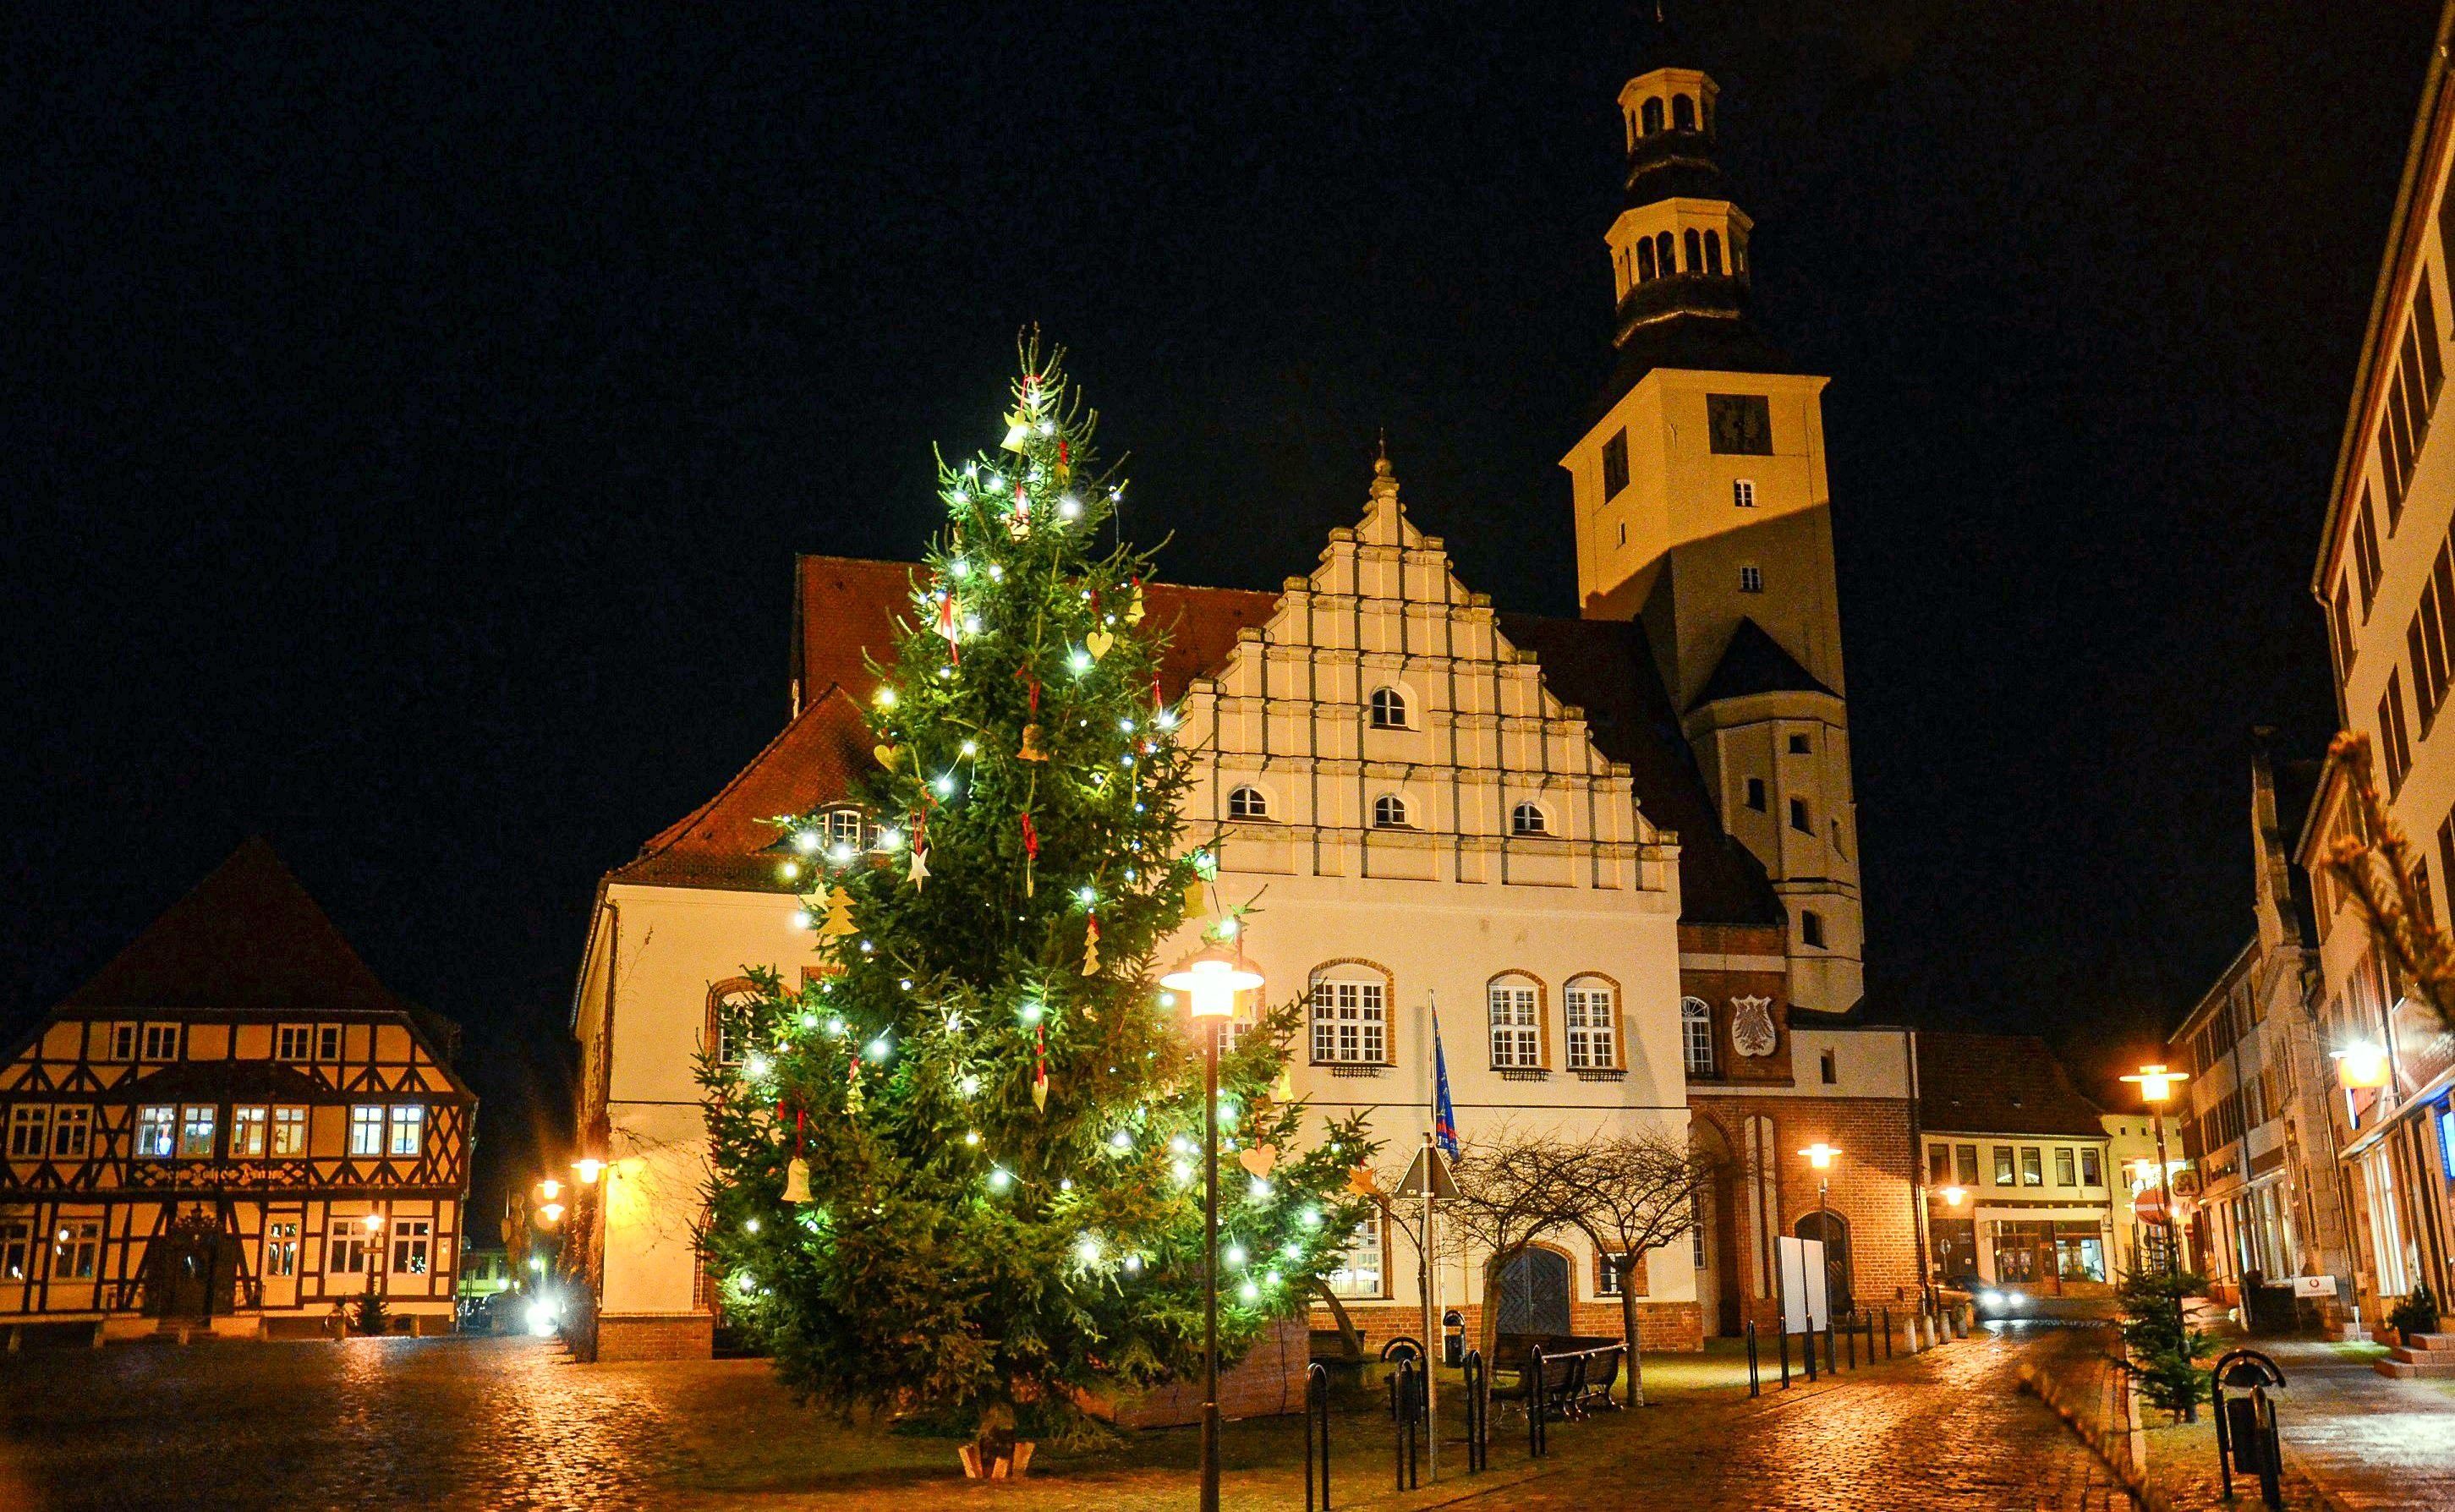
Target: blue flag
[{"x": 1444, "y": 1116}]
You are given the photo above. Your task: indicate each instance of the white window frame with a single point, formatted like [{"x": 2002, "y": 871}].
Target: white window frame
[
  {"x": 29, "y": 1131},
  {"x": 157, "y": 1131},
  {"x": 347, "y": 1251},
  {"x": 1390, "y": 709},
  {"x": 76, "y": 1249},
  {"x": 1592, "y": 1009},
  {"x": 1362, "y": 1271},
  {"x": 412, "y": 1245},
  {"x": 199, "y": 1131},
  {"x": 288, "y": 1140},
  {"x": 366, "y": 1128},
  {"x": 405, "y": 1133},
  {"x": 1744, "y": 493},
  {"x": 294, "y": 1042},
  {"x": 281, "y": 1247},
  {"x": 120, "y": 1041},
  {"x": 329, "y": 1043},
  {"x": 1515, "y": 1012},
  {"x": 16, "y": 1249},
  {"x": 1350, "y": 1020},
  {"x": 161, "y": 1043},
  {"x": 1246, "y": 801},
  {"x": 1697, "y": 1052},
  {"x": 1390, "y": 811},
  {"x": 247, "y": 1124},
  {"x": 1519, "y": 814},
  {"x": 1751, "y": 579},
  {"x": 71, "y": 1131}
]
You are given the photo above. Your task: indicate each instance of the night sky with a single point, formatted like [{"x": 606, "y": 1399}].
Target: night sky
[{"x": 409, "y": 422}]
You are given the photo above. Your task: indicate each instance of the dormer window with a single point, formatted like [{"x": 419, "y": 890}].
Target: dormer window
[
  {"x": 1388, "y": 709},
  {"x": 1247, "y": 803},
  {"x": 845, "y": 828}
]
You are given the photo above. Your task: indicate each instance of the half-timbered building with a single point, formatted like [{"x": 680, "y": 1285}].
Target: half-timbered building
[{"x": 236, "y": 1126}]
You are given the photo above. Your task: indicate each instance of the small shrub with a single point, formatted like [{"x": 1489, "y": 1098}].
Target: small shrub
[{"x": 2416, "y": 1313}]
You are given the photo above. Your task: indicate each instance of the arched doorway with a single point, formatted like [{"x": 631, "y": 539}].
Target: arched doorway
[
  {"x": 1534, "y": 1292},
  {"x": 1835, "y": 1230}
]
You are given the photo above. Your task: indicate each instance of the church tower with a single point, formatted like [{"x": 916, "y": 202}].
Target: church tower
[{"x": 1702, "y": 510}]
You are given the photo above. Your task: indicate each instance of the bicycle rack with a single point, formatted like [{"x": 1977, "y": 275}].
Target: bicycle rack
[{"x": 1316, "y": 1428}]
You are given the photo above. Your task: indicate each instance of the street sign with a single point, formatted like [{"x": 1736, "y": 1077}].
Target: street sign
[
  {"x": 1442, "y": 1185},
  {"x": 2150, "y": 1205},
  {"x": 2314, "y": 1286}
]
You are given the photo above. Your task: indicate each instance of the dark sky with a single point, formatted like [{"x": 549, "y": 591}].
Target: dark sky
[{"x": 410, "y": 421}]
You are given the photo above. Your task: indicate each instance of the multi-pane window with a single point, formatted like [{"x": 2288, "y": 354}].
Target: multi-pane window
[
  {"x": 1606, "y": 1274},
  {"x": 409, "y": 1239},
  {"x": 1388, "y": 709},
  {"x": 345, "y": 1253},
  {"x": 196, "y": 1131},
  {"x": 845, "y": 830},
  {"x": 157, "y": 1131},
  {"x": 729, "y": 1010},
  {"x": 407, "y": 1129},
  {"x": 2395, "y": 744},
  {"x": 289, "y": 1132},
  {"x": 1696, "y": 1037},
  {"x": 1964, "y": 1158},
  {"x": 1389, "y": 812},
  {"x": 1350, "y": 1023},
  {"x": 2003, "y": 1165},
  {"x": 1739, "y": 424},
  {"x": 2032, "y": 1166},
  {"x": 76, "y": 1248},
  {"x": 2339, "y": 619},
  {"x": 1616, "y": 450},
  {"x": 2092, "y": 1173},
  {"x": 2066, "y": 1167},
  {"x": 2366, "y": 566},
  {"x": 282, "y": 1248},
  {"x": 1516, "y": 1034},
  {"x": 1591, "y": 1044},
  {"x": 28, "y": 1131},
  {"x": 123, "y": 1042},
  {"x": 16, "y": 1248},
  {"x": 294, "y": 1042},
  {"x": 1751, "y": 579},
  {"x": 71, "y": 1127},
  {"x": 1358, "y": 1272},
  {"x": 247, "y": 1132},
  {"x": 1247, "y": 803},
  {"x": 1527, "y": 818},
  {"x": 366, "y": 1128},
  {"x": 328, "y": 1041},
  {"x": 161, "y": 1041},
  {"x": 1938, "y": 1164},
  {"x": 1744, "y": 493}
]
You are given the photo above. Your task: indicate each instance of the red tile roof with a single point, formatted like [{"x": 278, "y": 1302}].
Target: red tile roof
[
  {"x": 724, "y": 842},
  {"x": 1999, "y": 1084}
]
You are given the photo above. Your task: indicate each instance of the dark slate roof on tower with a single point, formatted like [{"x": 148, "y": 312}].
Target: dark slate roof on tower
[
  {"x": 1753, "y": 662},
  {"x": 248, "y": 936},
  {"x": 1999, "y": 1084},
  {"x": 1606, "y": 667}
]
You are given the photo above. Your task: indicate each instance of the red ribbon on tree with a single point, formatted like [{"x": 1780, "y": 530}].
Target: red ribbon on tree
[
  {"x": 1030, "y": 837},
  {"x": 1040, "y": 1071}
]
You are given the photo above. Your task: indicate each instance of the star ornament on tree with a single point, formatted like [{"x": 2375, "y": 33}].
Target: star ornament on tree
[{"x": 1016, "y": 1187}]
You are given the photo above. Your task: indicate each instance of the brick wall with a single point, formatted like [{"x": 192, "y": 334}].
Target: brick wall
[
  {"x": 1872, "y": 1184},
  {"x": 656, "y": 1336},
  {"x": 1269, "y": 1381}
]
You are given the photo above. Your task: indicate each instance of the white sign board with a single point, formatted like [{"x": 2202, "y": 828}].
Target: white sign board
[
  {"x": 2314, "y": 1286},
  {"x": 1804, "y": 1308}
]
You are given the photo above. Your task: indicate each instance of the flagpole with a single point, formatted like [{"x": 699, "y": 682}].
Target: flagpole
[{"x": 1431, "y": 1267}]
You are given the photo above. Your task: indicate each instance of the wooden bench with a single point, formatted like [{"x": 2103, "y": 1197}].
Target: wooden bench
[{"x": 1579, "y": 1373}]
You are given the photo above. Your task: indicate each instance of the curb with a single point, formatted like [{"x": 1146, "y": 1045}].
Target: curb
[{"x": 2040, "y": 1386}]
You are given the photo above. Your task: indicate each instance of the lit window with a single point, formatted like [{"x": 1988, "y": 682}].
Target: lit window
[
  {"x": 196, "y": 1131},
  {"x": 161, "y": 1041},
  {"x": 294, "y": 1042},
  {"x": 1591, "y": 1044},
  {"x": 2066, "y": 1168},
  {"x": 1516, "y": 1041},
  {"x": 1247, "y": 803},
  {"x": 844, "y": 827},
  {"x": 75, "y": 1249},
  {"x": 28, "y": 1131},
  {"x": 1349, "y": 1023},
  {"x": 328, "y": 1041},
  {"x": 729, "y": 1008},
  {"x": 1751, "y": 579},
  {"x": 407, "y": 1129},
  {"x": 2091, "y": 1172},
  {"x": 289, "y": 1132},
  {"x": 1358, "y": 1271},
  {"x": 1389, "y": 812},
  {"x": 366, "y": 1128},
  {"x": 282, "y": 1248},
  {"x": 1388, "y": 709},
  {"x": 2032, "y": 1166},
  {"x": 16, "y": 1248},
  {"x": 1744, "y": 493},
  {"x": 1696, "y": 1037},
  {"x": 1528, "y": 820},
  {"x": 409, "y": 1240},
  {"x": 247, "y": 1132},
  {"x": 345, "y": 1253},
  {"x": 70, "y": 1128},
  {"x": 156, "y": 1130}
]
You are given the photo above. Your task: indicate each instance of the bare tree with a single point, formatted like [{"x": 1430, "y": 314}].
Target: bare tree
[
  {"x": 1631, "y": 1194},
  {"x": 1511, "y": 1190},
  {"x": 2377, "y": 867}
]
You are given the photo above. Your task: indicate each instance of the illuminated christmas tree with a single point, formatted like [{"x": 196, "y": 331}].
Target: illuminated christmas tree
[{"x": 992, "y": 1107}]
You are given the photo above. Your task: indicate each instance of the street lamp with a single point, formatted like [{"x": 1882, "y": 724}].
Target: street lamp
[
  {"x": 1211, "y": 977},
  {"x": 2156, "y": 1086},
  {"x": 2360, "y": 1066},
  {"x": 1820, "y": 1156},
  {"x": 1955, "y": 1196},
  {"x": 589, "y": 1169}
]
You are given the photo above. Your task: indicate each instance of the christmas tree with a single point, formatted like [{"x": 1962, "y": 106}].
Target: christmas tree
[{"x": 958, "y": 1175}]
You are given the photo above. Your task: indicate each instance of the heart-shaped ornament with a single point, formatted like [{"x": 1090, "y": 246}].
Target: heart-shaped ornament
[
  {"x": 1257, "y": 1159},
  {"x": 887, "y": 754},
  {"x": 1098, "y": 642}
]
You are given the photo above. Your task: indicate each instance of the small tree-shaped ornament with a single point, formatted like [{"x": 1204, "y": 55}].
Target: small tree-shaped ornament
[{"x": 1003, "y": 1107}]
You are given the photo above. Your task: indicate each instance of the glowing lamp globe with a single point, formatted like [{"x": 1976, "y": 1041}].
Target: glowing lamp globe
[
  {"x": 2156, "y": 1084},
  {"x": 1820, "y": 1154},
  {"x": 589, "y": 1170},
  {"x": 1212, "y": 979},
  {"x": 2361, "y": 1066},
  {"x": 373, "y": 1221},
  {"x": 1955, "y": 1196}
]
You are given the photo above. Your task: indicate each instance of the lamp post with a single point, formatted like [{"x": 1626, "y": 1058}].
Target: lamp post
[
  {"x": 1211, "y": 977},
  {"x": 1820, "y": 1156},
  {"x": 2156, "y": 1086}
]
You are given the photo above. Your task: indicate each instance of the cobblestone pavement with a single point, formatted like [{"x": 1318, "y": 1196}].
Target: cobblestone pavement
[
  {"x": 1946, "y": 1430},
  {"x": 2372, "y": 1441}
]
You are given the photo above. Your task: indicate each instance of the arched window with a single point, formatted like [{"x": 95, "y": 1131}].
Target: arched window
[
  {"x": 1683, "y": 113},
  {"x": 1666, "y": 257},
  {"x": 1516, "y": 1002},
  {"x": 1388, "y": 709},
  {"x": 1247, "y": 803},
  {"x": 1738, "y": 254},
  {"x": 1645, "y": 259},
  {"x": 1350, "y": 1015},
  {"x": 1696, "y": 1037},
  {"x": 1390, "y": 813},
  {"x": 729, "y": 1005},
  {"x": 1528, "y": 820},
  {"x": 1696, "y": 251},
  {"x": 1712, "y": 251},
  {"x": 1834, "y": 1231},
  {"x": 1652, "y": 115},
  {"x": 1591, "y": 1006},
  {"x": 847, "y": 830}
]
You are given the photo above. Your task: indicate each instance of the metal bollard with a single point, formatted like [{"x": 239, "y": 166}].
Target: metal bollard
[
  {"x": 1479, "y": 1412},
  {"x": 1888, "y": 1333},
  {"x": 1849, "y": 1339},
  {"x": 1829, "y": 1366},
  {"x": 1407, "y": 1406},
  {"x": 1316, "y": 1426},
  {"x": 1537, "y": 1438},
  {"x": 1754, "y": 1387},
  {"x": 1782, "y": 1338}
]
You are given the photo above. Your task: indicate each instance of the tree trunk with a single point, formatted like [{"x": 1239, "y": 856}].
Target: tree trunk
[
  {"x": 1626, "y": 1266},
  {"x": 1350, "y": 1342},
  {"x": 1489, "y": 1332}
]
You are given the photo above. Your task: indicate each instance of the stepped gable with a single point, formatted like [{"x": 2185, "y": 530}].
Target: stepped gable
[
  {"x": 248, "y": 936},
  {"x": 1605, "y": 666},
  {"x": 724, "y": 842},
  {"x": 2000, "y": 1085},
  {"x": 1753, "y": 662}
]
